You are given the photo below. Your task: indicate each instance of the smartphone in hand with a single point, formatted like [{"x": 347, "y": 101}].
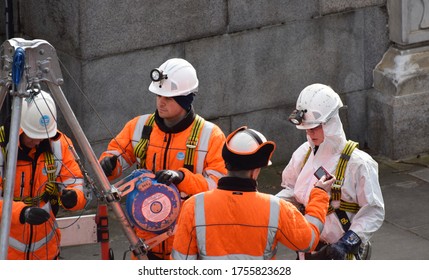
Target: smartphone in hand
[{"x": 322, "y": 171}]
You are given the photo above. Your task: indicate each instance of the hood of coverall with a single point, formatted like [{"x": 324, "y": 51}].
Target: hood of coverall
[
  {"x": 321, "y": 104},
  {"x": 334, "y": 138}
]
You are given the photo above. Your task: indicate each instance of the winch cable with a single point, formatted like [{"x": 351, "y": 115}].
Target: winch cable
[
  {"x": 112, "y": 136},
  {"x": 91, "y": 182}
]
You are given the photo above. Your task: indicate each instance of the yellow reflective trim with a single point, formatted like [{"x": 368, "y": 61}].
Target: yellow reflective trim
[
  {"x": 342, "y": 163},
  {"x": 344, "y": 158},
  {"x": 345, "y": 206},
  {"x": 349, "y": 206},
  {"x": 141, "y": 147},
  {"x": 192, "y": 142}
]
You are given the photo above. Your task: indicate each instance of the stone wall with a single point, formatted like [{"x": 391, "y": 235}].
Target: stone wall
[
  {"x": 252, "y": 58},
  {"x": 399, "y": 105}
]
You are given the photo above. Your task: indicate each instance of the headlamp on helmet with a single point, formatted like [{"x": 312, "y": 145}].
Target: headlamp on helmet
[
  {"x": 316, "y": 105},
  {"x": 296, "y": 116},
  {"x": 175, "y": 77},
  {"x": 158, "y": 75}
]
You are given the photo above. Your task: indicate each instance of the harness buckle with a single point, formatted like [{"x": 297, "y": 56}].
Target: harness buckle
[
  {"x": 50, "y": 168},
  {"x": 192, "y": 143},
  {"x": 338, "y": 183}
]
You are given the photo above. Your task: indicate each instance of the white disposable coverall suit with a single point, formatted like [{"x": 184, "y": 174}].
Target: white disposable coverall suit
[{"x": 360, "y": 186}]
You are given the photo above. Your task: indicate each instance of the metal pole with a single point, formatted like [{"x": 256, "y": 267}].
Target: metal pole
[
  {"x": 18, "y": 91},
  {"x": 10, "y": 176},
  {"x": 84, "y": 144}
]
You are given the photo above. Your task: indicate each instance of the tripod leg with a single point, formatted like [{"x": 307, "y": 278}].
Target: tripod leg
[
  {"x": 10, "y": 176},
  {"x": 84, "y": 144}
]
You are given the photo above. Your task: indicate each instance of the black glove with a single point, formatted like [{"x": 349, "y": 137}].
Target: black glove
[
  {"x": 34, "y": 216},
  {"x": 169, "y": 176},
  {"x": 68, "y": 198},
  {"x": 109, "y": 164},
  {"x": 349, "y": 243}
]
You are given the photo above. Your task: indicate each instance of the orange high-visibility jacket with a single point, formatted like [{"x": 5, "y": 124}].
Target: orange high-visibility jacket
[
  {"x": 166, "y": 150},
  {"x": 235, "y": 221},
  {"x": 40, "y": 242}
]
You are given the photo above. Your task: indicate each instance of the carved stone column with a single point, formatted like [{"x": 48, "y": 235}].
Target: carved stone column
[{"x": 399, "y": 106}]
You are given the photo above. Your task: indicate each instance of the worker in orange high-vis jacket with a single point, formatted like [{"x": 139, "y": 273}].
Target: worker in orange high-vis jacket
[
  {"x": 175, "y": 143},
  {"x": 235, "y": 221},
  {"x": 47, "y": 178}
]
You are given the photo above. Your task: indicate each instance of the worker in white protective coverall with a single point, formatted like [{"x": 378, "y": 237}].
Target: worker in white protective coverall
[{"x": 356, "y": 205}]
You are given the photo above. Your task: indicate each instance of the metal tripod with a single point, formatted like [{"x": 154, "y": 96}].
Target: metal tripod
[{"x": 25, "y": 64}]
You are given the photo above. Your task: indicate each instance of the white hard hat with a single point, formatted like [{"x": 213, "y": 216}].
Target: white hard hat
[
  {"x": 247, "y": 149},
  {"x": 316, "y": 104},
  {"x": 175, "y": 77},
  {"x": 38, "y": 116}
]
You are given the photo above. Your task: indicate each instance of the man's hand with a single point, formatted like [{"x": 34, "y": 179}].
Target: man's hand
[
  {"x": 109, "y": 164},
  {"x": 68, "y": 198},
  {"x": 169, "y": 176},
  {"x": 34, "y": 215}
]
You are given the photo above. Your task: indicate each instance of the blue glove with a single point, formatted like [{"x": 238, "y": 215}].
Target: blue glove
[
  {"x": 109, "y": 164},
  {"x": 169, "y": 176},
  {"x": 349, "y": 243}
]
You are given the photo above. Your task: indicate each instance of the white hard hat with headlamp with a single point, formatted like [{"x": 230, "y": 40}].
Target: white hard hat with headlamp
[
  {"x": 38, "y": 116},
  {"x": 316, "y": 104},
  {"x": 175, "y": 77}
]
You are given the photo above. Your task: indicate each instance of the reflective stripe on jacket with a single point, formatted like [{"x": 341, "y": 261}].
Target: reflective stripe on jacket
[
  {"x": 166, "y": 150},
  {"x": 230, "y": 224},
  {"x": 41, "y": 241}
]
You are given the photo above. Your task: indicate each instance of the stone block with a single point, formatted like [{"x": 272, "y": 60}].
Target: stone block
[
  {"x": 117, "y": 88},
  {"x": 56, "y": 21},
  {"x": 398, "y": 110},
  {"x": 244, "y": 14},
  {"x": 88, "y": 29},
  {"x": 244, "y": 73},
  {"x": 335, "y": 6},
  {"x": 398, "y": 125},
  {"x": 403, "y": 72},
  {"x": 376, "y": 40},
  {"x": 354, "y": 116},
  {"x": 408, "y": 21}
]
